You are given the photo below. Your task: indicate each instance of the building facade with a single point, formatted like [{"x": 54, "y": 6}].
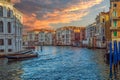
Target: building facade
[
  {"x": 46, "y": 37},
  {"x": 64, "y": 36},
  {"x": 40, "y": 37},
  {"x": 70, "y": 36},
  {"x": 10, "y": 28},
  {"x": 32, "y": 37},
  {"x": 91, "y": 35},
  {"x": 78, "y": 36},
  {"x": 102, "y": 29},
  {"x": 115, "y": 19}
]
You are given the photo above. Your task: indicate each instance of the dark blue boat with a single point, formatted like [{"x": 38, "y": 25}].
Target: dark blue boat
[{"x": 22, "y": 57}]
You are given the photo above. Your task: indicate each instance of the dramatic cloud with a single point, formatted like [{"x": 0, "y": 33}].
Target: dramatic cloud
[
  {"x": 42, "y": 13},
  {"x": 16, "y": 1}
]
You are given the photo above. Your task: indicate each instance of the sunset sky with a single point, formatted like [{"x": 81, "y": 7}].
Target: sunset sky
[{"x": 59, "y": 13}]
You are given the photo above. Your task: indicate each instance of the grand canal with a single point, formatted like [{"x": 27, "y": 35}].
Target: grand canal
[{"x": 58, "y": 63}]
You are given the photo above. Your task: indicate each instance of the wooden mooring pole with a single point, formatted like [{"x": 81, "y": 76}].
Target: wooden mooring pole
[
  {"x": 114, "y": 59},
  {"x": 110, "y": 59},
  {"x": 119, "y": 55}
]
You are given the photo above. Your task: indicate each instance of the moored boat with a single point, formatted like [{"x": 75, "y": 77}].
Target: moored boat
[{"x": 21, "y": 57}]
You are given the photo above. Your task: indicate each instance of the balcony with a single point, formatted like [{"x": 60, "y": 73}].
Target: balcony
[
  {"x": 115, "y": 28},
  {"x": 115, "y": 38},
  {"x": 116, "y": 17}
]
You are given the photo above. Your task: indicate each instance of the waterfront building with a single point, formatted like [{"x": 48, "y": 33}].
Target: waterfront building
[
  {"x": 107, "y": 29},
  {"x": 10, "y": 28},
  {"x": 91, "y": 35},
  {"x": 42, "y": 37},
  {"x": 102, "y": 29},
  {"x": 82, "y": 35},
  {"x": 64, "y": 36},
  {"x": 54, "y": 41},
  {"x": 45, "y": 37},
  {"x": 39, "y": 37},
  {"x": 78, "y": 36},
  {"x": 70, "y": 35},
  {"x": 49, "y": 37},
  {"x": 32, "y": 37},
  {"x": 115, "y": 19}
]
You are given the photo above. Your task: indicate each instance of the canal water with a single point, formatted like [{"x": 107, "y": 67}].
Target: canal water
[{"x": 58, "y": 63}]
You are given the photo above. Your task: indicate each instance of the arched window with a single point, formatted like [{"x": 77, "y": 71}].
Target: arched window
[
  {"x": 1, "y": 11},
  {"x": 9, "y": 27},
  {"x": 8, "y": 12},
  {"x": 1, "y": 26}
]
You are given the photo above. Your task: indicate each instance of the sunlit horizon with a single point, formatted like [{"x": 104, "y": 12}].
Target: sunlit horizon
[{"x": 59, "y": 13}]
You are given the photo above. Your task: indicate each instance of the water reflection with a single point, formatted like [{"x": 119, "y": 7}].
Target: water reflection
[{"x": 10, "y": 71}]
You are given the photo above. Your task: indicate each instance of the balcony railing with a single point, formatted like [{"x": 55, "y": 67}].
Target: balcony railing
[
  {"x": 116, "y": 17},
  {"x": 115, "y": 28}
]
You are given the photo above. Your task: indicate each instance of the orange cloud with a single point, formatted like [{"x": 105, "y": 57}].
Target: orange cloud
[
  {"x": 72, "y": 13},
  {"x": 16, "y": 1},
  {"x": 33, "y": 23}
]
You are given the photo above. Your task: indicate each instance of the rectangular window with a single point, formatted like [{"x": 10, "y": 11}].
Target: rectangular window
[
  {"x": 115, "y": 23},
  {"x": 67, "y": 35},
  {"x": 1, "y": 11},
  {"x": 1, "y": 26},
  {"x": 62, "y": 36},
  {"x": 114, "y": 13},
  {"x": 103, "y": 20},
  {"x": 8, "y": 12},
  {"x": 1, "y": 41},
  {"x": 9, "y": 50},
  {"x": 114, "y": 5},
  {"x": 115, "y": 33},
  {"x": 9, "y": 27},
  {"x": 1, "y": 50},
  {"x": 1, "y": 29},
  {"x": 9, "y": 42}
]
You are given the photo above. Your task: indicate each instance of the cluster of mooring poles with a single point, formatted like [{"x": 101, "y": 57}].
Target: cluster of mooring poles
[{"x": 114, "y": 58}]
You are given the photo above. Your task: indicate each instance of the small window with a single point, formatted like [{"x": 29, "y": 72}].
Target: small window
[
  {"x": 114, "y": 13},
  {"x": 114, "y": 5},
  {"x": 103, "y": 20},
  {"x": 1, "y": 11},
  {"x": 1, "y": 41},
  {"x": 1, "y": 26},
  {"x": 9, "y": 42},
  {"x": 8, "y": 13},
  {"x": 9, "y": 50},
  {"x": 9, "y": 27},
  {"x": 115, "y": 23},
  {"x": 1, "y": 50},
  {"x": 115, "y": 33}
]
